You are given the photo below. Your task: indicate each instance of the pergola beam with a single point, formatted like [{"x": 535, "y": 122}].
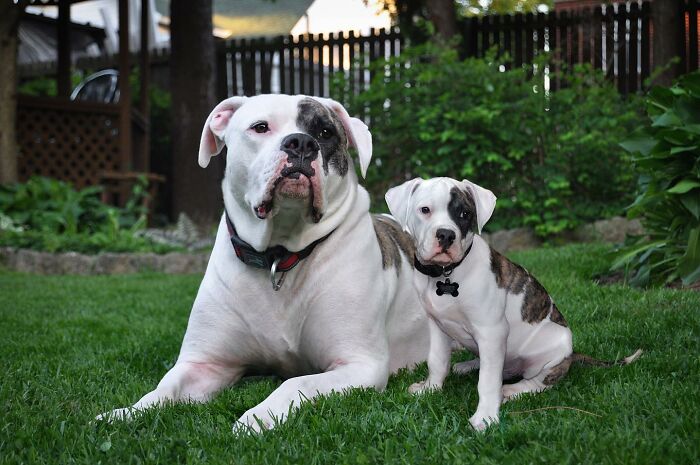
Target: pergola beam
[
  {"x": 145, "y": 72},
  {"x": 125, "y": 147},
  {"x": 63, "y": 81}
]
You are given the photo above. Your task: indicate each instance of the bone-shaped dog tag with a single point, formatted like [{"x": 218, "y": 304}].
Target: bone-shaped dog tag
[{"x": 447, "y": 288}]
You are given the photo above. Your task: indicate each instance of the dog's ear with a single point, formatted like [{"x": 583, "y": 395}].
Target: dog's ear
[
  {"x": 356, "y": 130},
  {"x": 398, "y": 199},
  {"x": 212, "y": 141},
  {"x": 485, "y": 202}
]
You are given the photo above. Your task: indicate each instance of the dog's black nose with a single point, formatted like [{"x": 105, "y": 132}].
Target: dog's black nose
[
  {"x": 300, "y": 146},
  {"x": 445, "y": 237}
]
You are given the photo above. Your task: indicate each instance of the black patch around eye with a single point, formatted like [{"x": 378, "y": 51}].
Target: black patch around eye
[
  {"x": 461, "y": 203},
  {"x": 316, "y": 119}
]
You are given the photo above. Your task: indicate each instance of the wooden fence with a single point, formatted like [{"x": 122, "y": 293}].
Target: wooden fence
[
  {"x": 304, "y": 64},
  {"x": 614, "y": 38},
  {"x": 690, "y": 38}
]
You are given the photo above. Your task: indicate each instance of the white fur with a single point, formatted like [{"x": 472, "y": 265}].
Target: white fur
[
  {"x": 483, "y": 318},
  {"x": 340, "y": 321}
]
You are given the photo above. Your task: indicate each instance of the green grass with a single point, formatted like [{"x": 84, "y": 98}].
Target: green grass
[{"x": 72, "y": 347}]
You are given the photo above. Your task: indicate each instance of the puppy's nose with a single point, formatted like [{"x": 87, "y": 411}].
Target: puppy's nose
[
  {"x": 300, "y": 146},
  {"x": 445, "y": 237}
]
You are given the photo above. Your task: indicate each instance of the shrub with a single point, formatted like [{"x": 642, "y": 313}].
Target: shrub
[
  {"x": 48, "y": 214},
  {"x": 552, "y": 159},
  {"x": 667, "y": 156}
]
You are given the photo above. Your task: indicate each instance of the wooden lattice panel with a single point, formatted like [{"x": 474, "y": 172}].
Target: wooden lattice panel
[{"x": 70, "y": 141}]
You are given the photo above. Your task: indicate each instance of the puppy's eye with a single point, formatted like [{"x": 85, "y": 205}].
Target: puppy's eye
[
  {"x": 425, "y": 210},
  {"x": 261, "y": 127},
  {"x": 463, "y": 215},
  {"x": 325, "y": 134}
]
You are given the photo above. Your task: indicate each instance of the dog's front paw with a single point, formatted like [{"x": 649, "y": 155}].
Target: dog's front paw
[
  {"x": 480, "y": 421},
  {"x": 253, "y": 421},
  {"x": 118, "y": 414},
  {"x": 423, "y": 387}
]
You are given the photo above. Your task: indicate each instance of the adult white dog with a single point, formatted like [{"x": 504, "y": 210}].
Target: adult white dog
[{"x": 302, "y": 282}]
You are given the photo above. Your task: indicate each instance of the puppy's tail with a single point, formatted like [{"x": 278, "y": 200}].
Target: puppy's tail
[{"x": 586, "y": 360}]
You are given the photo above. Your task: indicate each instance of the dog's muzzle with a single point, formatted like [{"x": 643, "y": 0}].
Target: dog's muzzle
[{"x": 301, "y": 150}]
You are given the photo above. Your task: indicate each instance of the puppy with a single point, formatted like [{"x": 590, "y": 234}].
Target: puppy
[{"x": 479, "y": 298}]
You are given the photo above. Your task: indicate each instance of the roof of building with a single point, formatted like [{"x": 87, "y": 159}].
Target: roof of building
[
  {"x": 37, "y": 39},
  {"x": 245, "y": 18}
]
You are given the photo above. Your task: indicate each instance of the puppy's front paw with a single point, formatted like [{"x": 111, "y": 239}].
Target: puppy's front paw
[
  {"x": 480, "y": 422},
  {"x": 118, "y": 414},
  {"x": 423, "y": 387}
]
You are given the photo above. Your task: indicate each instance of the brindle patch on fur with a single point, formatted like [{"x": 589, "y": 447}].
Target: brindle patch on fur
[
  {"x": 462, "y": 201},
  {"x": 557, "y": 372},
  {"x": 537, "y": 304},
  {"x": 509, "y": 276},
  {"x": 557, "y": 317},
  {"x": 393, "y": 241},
  {"x": 313, "y": 117}
]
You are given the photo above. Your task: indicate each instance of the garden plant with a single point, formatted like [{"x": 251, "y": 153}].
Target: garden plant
[
  {"x": 553, "y": 159},
  {"x": 667, "y": 156}
]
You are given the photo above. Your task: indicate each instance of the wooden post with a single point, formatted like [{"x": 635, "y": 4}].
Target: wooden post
[
  {"x": 124, "y": 89},
  {"x": 196, "y": 191},
  {"x": 10, "y": 14},
  {"x": 63, "y": 83},
  {"x": 667, "y": 32},
  {"x": 144, "y": 103}
]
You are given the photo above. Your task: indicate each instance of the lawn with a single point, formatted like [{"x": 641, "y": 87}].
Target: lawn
[{"x": 73, "y": 347}]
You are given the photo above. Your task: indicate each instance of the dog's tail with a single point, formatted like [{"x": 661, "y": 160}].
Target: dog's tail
[{"x": 587, "y": 360}]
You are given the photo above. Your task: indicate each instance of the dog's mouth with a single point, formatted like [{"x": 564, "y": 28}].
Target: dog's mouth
[
  {"x": 440, "y": 259},
  {"x": 296, "y": 183}
]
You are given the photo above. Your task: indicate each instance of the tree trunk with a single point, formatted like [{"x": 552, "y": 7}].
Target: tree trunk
[
  {"x": 196, "y": 191},
  {"x": 668, "y": 29},
  {"x": 443, "y": 15},
  {"x": 10, "y": 14}
]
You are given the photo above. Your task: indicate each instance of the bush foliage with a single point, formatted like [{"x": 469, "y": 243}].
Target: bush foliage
[
  {"x": 552, "y": 159},
  {"x": 667, "y": 155},
  {"x": 47, "y": 214}
]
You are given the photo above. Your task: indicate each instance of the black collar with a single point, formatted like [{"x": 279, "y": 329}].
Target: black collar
[
  {"x": 285, "y": 259},
  {"x": 435, "y": 271}
]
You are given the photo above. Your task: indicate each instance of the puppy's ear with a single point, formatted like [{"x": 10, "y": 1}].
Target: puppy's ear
[
  {"x": 484, "y": 200},
  {"x": 212, "y": 141},
  {"x": 357, "y": 131},
  {"x": 399, "y": 200}
]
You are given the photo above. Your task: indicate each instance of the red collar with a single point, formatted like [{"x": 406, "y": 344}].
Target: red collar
[{"x": 285, "y": 259}]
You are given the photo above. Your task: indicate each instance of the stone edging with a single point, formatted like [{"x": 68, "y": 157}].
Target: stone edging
[{"x": 31, "y": 261}]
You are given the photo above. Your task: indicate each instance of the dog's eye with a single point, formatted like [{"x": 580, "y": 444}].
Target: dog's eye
[
  {"x": 425, "y": 210},
  {"x": 325, "y": 134},
  {"x": 261, "y": 127},
  {"x": 463, "y": 215}
]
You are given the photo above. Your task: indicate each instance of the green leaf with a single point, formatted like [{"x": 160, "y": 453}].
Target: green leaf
[
  {"x": 689, "y": 264},
  {"x": 683, "y": 186},
  {"x": 691, "y": 201},
  {"x": 676, "y": 150},
  {"x": 643, "y": 145}
]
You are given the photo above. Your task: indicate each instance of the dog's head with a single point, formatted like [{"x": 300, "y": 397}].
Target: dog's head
[
  {"x": 285, "y": 152},
  {"x": 442, "y": 215}
]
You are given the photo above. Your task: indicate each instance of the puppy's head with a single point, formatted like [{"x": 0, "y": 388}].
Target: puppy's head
[
  {"x": 285, "y": 152},
  {"x": 442, "y": 215}
]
